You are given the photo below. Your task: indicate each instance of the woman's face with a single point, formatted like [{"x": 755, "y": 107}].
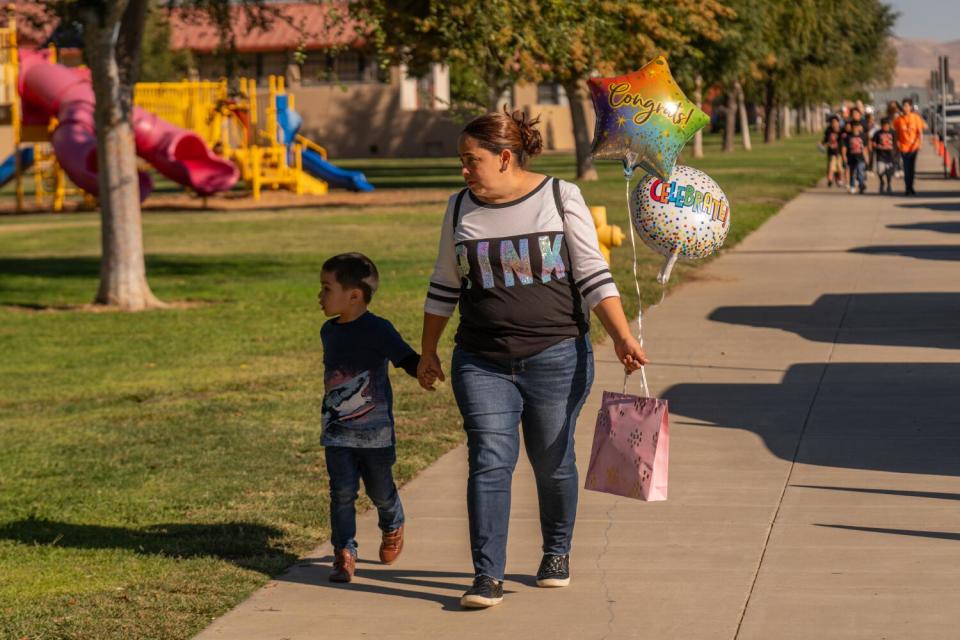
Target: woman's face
[{"x": 482, "y": 170}]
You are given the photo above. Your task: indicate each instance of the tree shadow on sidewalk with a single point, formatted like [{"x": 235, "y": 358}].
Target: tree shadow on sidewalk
[
  {"x": 939, "y": 227},
  {"x": 245, "y": 544},
  {"x": 921, "y": 252},
  {"x": 949, "y": 207},
  {"x": 880, "y": 416},
  {"x": 941, "y": 535},
  {"x": 894, "y": 319}
]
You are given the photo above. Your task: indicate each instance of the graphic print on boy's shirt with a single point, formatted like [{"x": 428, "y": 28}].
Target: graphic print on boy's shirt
[
  {"x": 349, "y": 399},
  {"x": 358, "y": 399}
]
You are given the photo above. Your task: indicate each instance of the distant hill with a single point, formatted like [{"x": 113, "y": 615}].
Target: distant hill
[{"x": 917, "y": 58}]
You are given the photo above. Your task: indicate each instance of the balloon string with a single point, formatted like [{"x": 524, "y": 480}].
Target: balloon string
[{"x": 636, "y": 284}]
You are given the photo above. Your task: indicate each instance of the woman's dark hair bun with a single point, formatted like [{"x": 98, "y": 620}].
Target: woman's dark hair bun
[
  {"x": 506, "y": 129},
  {"x": 530, "y": 137}
]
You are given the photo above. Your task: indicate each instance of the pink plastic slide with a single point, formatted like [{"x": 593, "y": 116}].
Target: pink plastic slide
[{"x": 52, "y": 90}]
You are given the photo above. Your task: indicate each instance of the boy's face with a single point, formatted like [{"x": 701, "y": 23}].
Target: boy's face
[
  {"x": 835, "y": 125},
  {"x": 885, "y": 126},
  {"x": 333, "y": 298}
]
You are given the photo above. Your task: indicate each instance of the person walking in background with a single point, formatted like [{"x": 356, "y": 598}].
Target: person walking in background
[
  {"x": 831, "y": 144},
  {"x": 844, "y": 134},
  {"x": 855, "y": 153},
  {"x": 909, "y": 131},
  {"x": 870, "y": 127},
  {"x": 882, "y": 146},
  {"x": 893, "y": 112}
]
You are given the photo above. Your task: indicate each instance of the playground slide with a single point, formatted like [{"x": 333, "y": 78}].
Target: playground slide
[
  {"x": 314, "y": 163},
  {"x": 56, "y": 91},
  {"x": 181, "y": 155},
  {"x": 9, "y": 167}
]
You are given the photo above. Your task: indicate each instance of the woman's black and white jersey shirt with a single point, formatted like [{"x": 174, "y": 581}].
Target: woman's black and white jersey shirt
[{"x": 520, "y": 271}]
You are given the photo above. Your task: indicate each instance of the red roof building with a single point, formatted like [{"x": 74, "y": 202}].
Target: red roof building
[{"x": 285, "y": 27}]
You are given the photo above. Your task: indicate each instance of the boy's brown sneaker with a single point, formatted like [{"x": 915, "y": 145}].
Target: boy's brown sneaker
[
  {"x": 344, "y": 566},
  {"x": 391, "y": 545}
]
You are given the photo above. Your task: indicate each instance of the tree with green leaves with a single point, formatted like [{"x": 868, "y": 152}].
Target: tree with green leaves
[
  {"x": 823, "y": 50},
  {"x": 113, "y": 34},
  {"x": 488, "y": 43},
  {"x": 158, "y": 62}
]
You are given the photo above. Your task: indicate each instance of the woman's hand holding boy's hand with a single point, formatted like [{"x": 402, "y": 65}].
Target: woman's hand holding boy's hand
[
  {"x": 630, "y": 353},
  {"x": 429, "y": 370}
]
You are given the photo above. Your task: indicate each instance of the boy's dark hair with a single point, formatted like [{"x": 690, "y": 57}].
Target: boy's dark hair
[
  {"x": 855, "y": 110},
  {"x": 834, "y": 119},
  {"x": 857, "y": 124},
  {"x": 908, "y": 101},
  {"x": 884, "y": 121},
  {"x": 354, "y": 271}
]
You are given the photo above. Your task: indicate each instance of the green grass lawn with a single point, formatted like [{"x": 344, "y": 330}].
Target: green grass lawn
[{"x": 157, "y": 467}]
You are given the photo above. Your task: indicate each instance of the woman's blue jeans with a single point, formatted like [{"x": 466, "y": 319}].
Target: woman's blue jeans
[{"x": 544, "y": 393}]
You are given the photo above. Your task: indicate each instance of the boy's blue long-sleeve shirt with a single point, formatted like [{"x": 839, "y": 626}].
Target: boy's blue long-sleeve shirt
[{"x": 358, "y": 399}]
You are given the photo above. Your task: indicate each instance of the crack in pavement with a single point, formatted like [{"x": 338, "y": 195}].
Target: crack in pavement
[{"x": 611, "y": 614}]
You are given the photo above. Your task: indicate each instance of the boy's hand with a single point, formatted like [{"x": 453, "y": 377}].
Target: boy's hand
[{"x": 429, "y": 371}]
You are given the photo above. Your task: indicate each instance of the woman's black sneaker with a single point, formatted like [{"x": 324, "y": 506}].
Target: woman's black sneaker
[
  {"x": 485, "y": 592},
  {"x": 554, "y": 571}
]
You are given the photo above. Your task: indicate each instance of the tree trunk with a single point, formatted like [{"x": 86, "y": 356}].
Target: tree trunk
[
  {"x": 698, "y": 99},
  {"x": 581, "y": 135},
  {"x": 730, "y": 120},
  {"x": 785, "y": 121},
  {"x": 744, "y": 122},
  {"x": 769, "y": 113},
  {"x": 123, "y": 280},
  {"x": 494, "y": 91}
]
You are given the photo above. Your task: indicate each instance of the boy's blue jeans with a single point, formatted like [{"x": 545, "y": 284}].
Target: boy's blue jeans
[
  {"x": 858, "y": 172},
  {"x": 346, "y": 466},
  {"x": 544, "y": 393}
]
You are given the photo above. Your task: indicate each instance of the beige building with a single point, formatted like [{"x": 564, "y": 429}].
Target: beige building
[{"x": 348, "y": 104}]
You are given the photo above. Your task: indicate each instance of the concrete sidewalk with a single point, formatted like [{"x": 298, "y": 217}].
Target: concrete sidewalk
[{"x": 813, "y": 375}]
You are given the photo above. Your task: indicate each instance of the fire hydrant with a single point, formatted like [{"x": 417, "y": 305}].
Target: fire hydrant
[{"x": 610, "y": 235}]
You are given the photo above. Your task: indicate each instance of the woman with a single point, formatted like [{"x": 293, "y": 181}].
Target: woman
[{"x": 519, "y": 253}]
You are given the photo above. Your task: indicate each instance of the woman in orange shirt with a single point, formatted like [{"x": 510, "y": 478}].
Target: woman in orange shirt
[{"x": 909, "y": 127}]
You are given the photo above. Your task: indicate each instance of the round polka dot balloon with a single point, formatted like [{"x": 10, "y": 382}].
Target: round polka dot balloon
[{"x": 685, "y": 217}]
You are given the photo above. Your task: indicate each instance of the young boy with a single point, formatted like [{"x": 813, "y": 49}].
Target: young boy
[
  {"x": 854, "y": 150},
  {"x": 831, "y": 142},
  {"x": 882, "y": 147},
  {"x": 358, "y": 407}
]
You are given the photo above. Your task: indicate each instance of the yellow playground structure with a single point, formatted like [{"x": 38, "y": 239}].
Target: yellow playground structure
[{"x": 254, "y": 128}]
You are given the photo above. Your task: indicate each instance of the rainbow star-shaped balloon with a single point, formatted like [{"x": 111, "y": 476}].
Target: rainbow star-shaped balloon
[{"x": 643, "y": 119}]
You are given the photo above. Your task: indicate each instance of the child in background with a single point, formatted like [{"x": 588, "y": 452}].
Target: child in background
[
  {"x": 358, "y": 432},
  {"x": 882, "y": 148},
  {"x": 831, "y": 143},
  {"x": 854, "y": 152}
]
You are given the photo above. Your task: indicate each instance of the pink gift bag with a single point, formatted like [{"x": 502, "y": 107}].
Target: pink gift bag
[{"x": 631, "y": 447}]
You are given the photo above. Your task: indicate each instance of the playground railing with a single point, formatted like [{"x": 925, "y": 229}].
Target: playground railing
[
  {"x": 307, "y": 143},
  {"x": 193, "y": 105}
]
